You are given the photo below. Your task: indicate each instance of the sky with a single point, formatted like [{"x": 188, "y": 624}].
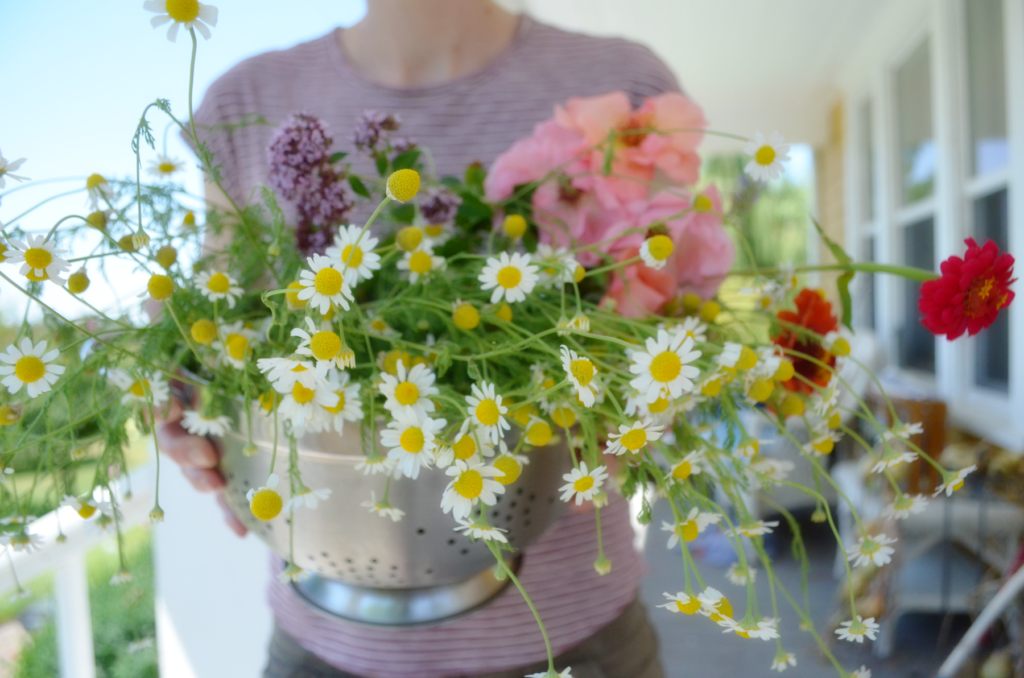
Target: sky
[{"x": 76, "y": 79}]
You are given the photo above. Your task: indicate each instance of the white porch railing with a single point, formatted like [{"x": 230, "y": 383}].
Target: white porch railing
[{"x": 67, "y": 562}]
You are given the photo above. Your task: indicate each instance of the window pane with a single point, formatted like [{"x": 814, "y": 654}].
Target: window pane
[
  {"x": 865, "y": 303},
  {"x": 867, "y": 163},
  {"x": 992, "y": 347},
  {"x": 915, "y": 343},
  {"x": 914, "y": 119},
  {"x": 986, "y": 84}
]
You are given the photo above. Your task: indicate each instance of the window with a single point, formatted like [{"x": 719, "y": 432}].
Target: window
[
  {"x": 992, "y": 346},
  {"x": 864, "y": 292},
  {"x": 866, "y": 162},
  {"x": 918, "y": 154},
  {"x": 916, "y": 344}
]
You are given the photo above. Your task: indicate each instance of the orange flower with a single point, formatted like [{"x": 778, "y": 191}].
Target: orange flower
[{"x": 814, "y": 313}]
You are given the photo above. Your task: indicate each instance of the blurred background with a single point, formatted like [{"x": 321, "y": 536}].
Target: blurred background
[{"x": 908, "y": 123}]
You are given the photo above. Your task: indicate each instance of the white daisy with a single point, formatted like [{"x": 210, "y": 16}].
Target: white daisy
[
  {"x": 164, "y": 167},
  {"x": 38, "y": 259},
  {"x": 349, "y": 407},
  {"x": 291, "y": 574},
  {"x": 862, "y": 672},
  {"x": 88, "y": 507},
  {"x": 96, "y": 187},
  {"x": 567, "y": 673},
  {"x": 557, "y": 266},
  {"x": 380, "y": 328},
  {"x": 691, "y": 326},
  {"x": 582, "y": 484},
  {"x": 763, "y": 630},
  {"x": 283, "y": 373},
  {"x": 755, "y": 529},
  {"x": 6, "y": 167},
  {"x": 633, "y": 438},
  {"x": 306, "y": 408},
  {"x": 308, "y": 498},
  {"x": 420, "y": 263},
  {"x": 664, "y": 366},
  {"x": 690, "y": 464},
  {"x": 891, "y": 459},
  {"x": 26, "y": 541},
  {"x": 768, "y": 156},
  {"x": 216, "y": 286},
  {"x": 234, "y": 344},
  {"x": 681, "y": 602},
  {"x": 578, "y": 323},
  {"x": 265, "y": 501},
  {"x": 903, "y": 431},
  {"x": 473, "y": 483},
  {"x": 324, "y": 284},
  {"x": 770, "y": 471},
  {"x": 782, "y": 660},
  {"x": 480, "y": 531},
  {"x": 198, "y": 425},
  {"x": 739, "y": 575},
  {"x": 855, "y": 629},
  {"x": 581, "y": 372},
  {"x": 411, "y": 442},
  {"x": 436, "y": 235},
  {"x": 954, "y": 481},
  {"x": 486, "y": 412},
  {"x": 656, "y": 251},
  {"x": 825, "y": 400},
  {"x": 409, "y": 391},
  {"x": 874, "y": 549},
  {"x": 122, "y": 576},
  {"x": 383, "y": 508},
  {"x": 325, "y": 345},
  {"x": 356, "y": 254},
  {"x": 376, "y": 464},
  {"x": 714, "y": 605},
  {"x": 29, "y": 366},
  {"x": 696, "y": 522},
  {"x": 188, "y": 13},
  {"x": 510, "y": 277},
  {"x": 143, "y": 389},
  {"x": 905, "y": 506}
]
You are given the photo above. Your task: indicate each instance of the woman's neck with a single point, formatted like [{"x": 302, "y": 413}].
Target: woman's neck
[{"x": 414, "y": 43}]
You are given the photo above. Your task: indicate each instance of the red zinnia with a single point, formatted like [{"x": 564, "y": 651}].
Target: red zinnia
[
  {"x": 970, "y": 293},
  {"x": 813, "y": 312}
]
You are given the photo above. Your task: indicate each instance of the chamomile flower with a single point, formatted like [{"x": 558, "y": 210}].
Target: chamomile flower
[
  {"x": 755, "y": 529},
  {"x": 38, "y": 259},
  {"x": 691, "y": 327},
  {"x": 903, "y": 431},
  {"x": 291, "y": 574},
  {"x": 349, "y": 407},
  {"x": 265, "y": 502},
  {"x": 905, "y": 506},
  {"x": 283, "y": 373},
  {"x": 476, "y": 530},
  {"x": 763, "y": 630},
  {"x": 783, "y": 660},
  {"x": 557, "y": 266},
  {"x": 768, "y": 156},
  {"x": 891, "y": 459},
  {"x": 235, "y": 344},
  {"x": 164, "y": 167},
  {"x": 307, "y": 407},
  {"x": 198, "y": 425},
  {"x": 383, "y": 508},
  {"x": 420, "y": 263},
  {"x": 88, "y": 507},
  {"x": 690, "y": 464},
  {"x": 664, "y": 366},
  {"x": 874, "y": 549},
  {"x": 856, "y": 629},
  {"x": 862, "y": 672},
  {"x": 356, "y": 254},
  {"x": 633, "y": 438},
  {"x": 25, "y": 541},
  {"x": 689, "y": 529},
  {"x": 714, "y": 605},
  {"x": 411, "y": 442},
  {"x": 324, "y": 345},
  {"x": 217, "y": 286},
  {"x": 375, "y": 464},
  {"x": 770, "y": 471},
  {"x": 577, "y": 323},
  {"x": 143, "y": 390},
  {"x": 409, "y": 390},
  {"x": 379, "y": 327},
  {"x": 567, "y": 673},
  {"x": 8, "y": 166},
  {"x": 188, "y": 13},
  {"x": 436, "y": 235},
  {"x": 487, "y": 412},
  {"x": 96, "y": 187},
  {"x": 582, "y": 483},
  {"x": 656, "y": 251},
  {"x": 308, "y": 498},
  {"x": 739, "y": 575},
  {"x": 472, "y": 483},
  {"x": 681, "y": 602},
  {"x": 580, "y": 372},
  {"x": 29, "y": 366},
  {"x": 954, "y": 481},
  {"x": 122, "y": 576},
  {"x": 511, "y": 277},
  {"x": 324, "y": 284}
]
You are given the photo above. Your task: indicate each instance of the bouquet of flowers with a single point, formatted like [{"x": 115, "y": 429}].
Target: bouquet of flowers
[{"x": 572, "y": 295}]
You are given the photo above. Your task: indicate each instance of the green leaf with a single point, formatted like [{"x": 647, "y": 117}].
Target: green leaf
[
  {"x": 406, "y": 160},
  {"x": 838, "y": 252},
  {"x": 843, "y": 283},
  {"x": 335, "y": 157},
  {"x": 644, "y": 518},
  {"x": 357, "y": 185},
  {"x": 473, "y": 212},
  {"x": 382, "y": 164},
  {"x": 403, "y": 214},
  {"x": 475, "y": 175}
]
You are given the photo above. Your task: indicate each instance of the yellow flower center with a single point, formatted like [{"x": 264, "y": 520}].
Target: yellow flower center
[
  {"x": 409, "y": 238},
  {"x": 325, "y": 345},
  {"x": 218, "y": 283},
  {"x": 682, "y": 471},
  {"x": 509, "y": 277},
  {"x": 293, "y": 297},
  {"x": 957, "y": 484},
  {"x": 747, "y": 359},
  {"x": 689, "y": 530},
  {"x": 547, "y": 384},
  {"x": 792, "y": 406},
  {"x": 203, "y": 331},
  {"x": 515, "y": 226},
  {"x": 97, "y": 220},
  {"x": 268, "y": 400},
  {"x": 464, "y": 447},
  {"x": 563, "y": 416},
  {"x": 582, "y": 370},
  {"x": 391, "y": 358},
  {"x": 266, "y": 503},
  {"x": 466, "y": 317},
  {"x": 166, "y": 256},
  {"x": 94, "y": 180},
  {"x": 869, "y": 547},
  {"x": 37, "y": 257},
  {"x": 9, "y": 415},
  {"x": 167, "y": 167},
  {"x": 761, "y": 389},
  {"x": 160, "y": 287},
  {"x": 86, "y": 510},
  {"x": 78, "y": 282},
  {"x": 583, "y": 484},
  {"x": 469, "y": 484},
  {"x": 237, "y": 345},
  {"x": 522, "y": 414},
  {"x": 785, "y": 371},
  {"x": 406, "y": 393},
  {"x": 689, "y": 607},
  {"x": 340, "y": 406},
  {"x": 29, "y": 369},
  {"x": 579, "y": 274},
  {"x": 403, "y": 185},
  {"x": 434, "y": 230},
  {"x": 411, "y": 440},
  {"x": 140, "y": 388},
  {"x": 328, "y": 281},
  {"x": 508, "y": 465},
  {"x": 765, "y": 155},
  {"x": 419, "y": 262},
  {"x": 539, "y": 434},
  {"x": 660, "y": 247},
  {"x": 634, "y": 440},
  {"x": 835, "y": 420},
  {"x": 709, "y": 310},
  {"x": 183, "y": 11},
  {"x": 189, "y": 219},
  {"x": 302, "y": 394},
  {"x": 659, "y": 405},
  {"x": 487, "y": 412},
  {"x": 825, "y": 445},
  {"x": 352, "y": 256},
  {"x": 666, "y": 366},
  {"x": 702, "y": 203},
  {"x": 712, "y": 388}
]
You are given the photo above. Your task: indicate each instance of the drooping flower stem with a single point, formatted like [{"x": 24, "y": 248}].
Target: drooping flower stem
[{"x": 501, "y": 564}]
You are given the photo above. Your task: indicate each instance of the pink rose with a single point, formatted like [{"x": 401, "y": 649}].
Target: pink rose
[
  {"x": 551, "y": 145},
  {"x": 639, "y": 290},
  {"x": 703, "y": 251}
]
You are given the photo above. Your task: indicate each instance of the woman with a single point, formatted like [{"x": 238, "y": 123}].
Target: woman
[{"x": 467, "y": 79}]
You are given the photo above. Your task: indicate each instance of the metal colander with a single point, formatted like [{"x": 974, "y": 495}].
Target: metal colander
[{"x": 343, "y": 541}]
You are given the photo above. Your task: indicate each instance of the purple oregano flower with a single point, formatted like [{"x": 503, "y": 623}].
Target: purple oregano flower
[
  {"x": 439, "y": 205},
  {"x": 371, "y": 129}
]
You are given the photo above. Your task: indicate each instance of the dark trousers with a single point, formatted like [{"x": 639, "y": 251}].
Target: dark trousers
[{"x": 625, "y": 648}]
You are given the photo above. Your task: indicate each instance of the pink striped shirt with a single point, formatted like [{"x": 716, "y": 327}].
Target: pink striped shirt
[{"x": 474, "y": 118}]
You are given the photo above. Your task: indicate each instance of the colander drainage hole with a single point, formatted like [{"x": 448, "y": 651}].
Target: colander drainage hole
[
  {"x": 512, "y": 505},
  {"x": 532, "y": 496},
  {"x": 519, "y": 492},
  {"x": 373, "y": 560},
  {"x": 551, "y": 500},
  {"x": 420, "y": 530},
  {"x": 464, "y": 552},
  {"x": 323, "y": 553},
  {"x": 526, "y": 523},
  {"x": 496, "y": 514},
  {"x": 508, "y": 518},
  {"x": 429, "y": 571},
  {"x": 246, "y": 483},
  {"x": 451, "y": 542},
  {"x": 394, "y": 567},
  {"x": 348, "y": 560},
  {"x": 526, "y": 511}
]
